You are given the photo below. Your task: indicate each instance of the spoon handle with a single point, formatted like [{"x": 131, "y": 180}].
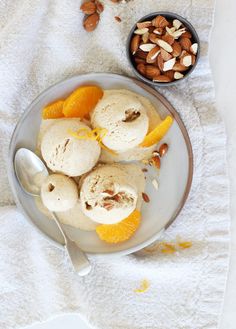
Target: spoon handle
[{"x": 78, "y": 258}]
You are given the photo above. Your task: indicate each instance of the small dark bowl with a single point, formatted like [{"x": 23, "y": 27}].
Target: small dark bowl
[{"x": 169, "y": 16}]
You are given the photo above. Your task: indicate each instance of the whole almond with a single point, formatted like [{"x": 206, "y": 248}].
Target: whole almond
[
  {"x": 152, "y": 55},
  {"x": 185, "y": 43},
  {"x": 165, "y": 55},
  {"x": 151, "y": 71},
  {"x": 100, "y": 7},
  {"x": 160, "y": 21},
  {"x": 88, "y": 8},
  {"x": 141, "y": 68},
  {"x": 187, "y": 34},
  {"x": 156, "y": 161},
  {"x": 168, "y": 38},
  {"x": 139, "y": 60},
  {"x": 163, "y": 44},
  {"x": 169, "y": 64},
  {"x": 179, "y": 68},
  {"x": 141, "y": 54},
  {"x": 170, "y": 74},
  {"x": 176, "y": 49},
  {"x": 134, "y": 44},
  {"x": 153, "y": 37},
  {"x": 193, "y": 59},
  {"x": 160, "y": 62},
  {"x": 142, "y": 25},
  {"x": 163, "y": 149},
  {"x": 161, "y": 78},
  {"x": 91, "y": 22}
]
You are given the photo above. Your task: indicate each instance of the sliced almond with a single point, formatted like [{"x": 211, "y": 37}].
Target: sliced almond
[
  {"x": 152, "y": 55},
  {"x": 153, "y": 38},
  {"x": 163, "y": 44},
  {"x": 141, "y": 68},
  {"x": 169, "y": 64},
  {"x": 160, "y": 21},
  {"x": 145, "y": 37},
  {"x": 176, "y": 24},
  {"x": 176, "y": 49},
  {"x": 175, "y": 34},
  {"x": 152, "y": 71},
  {"x": 168, "y": 38},
  {"x": 147, "y": 47},
  {"x": 194, "y": 48},
  {"x": 160, "y": 62},
  {"x": 186, "y": 60},
  {"x": 134, "y": 44},
  {"x": 142, "y": 25},
  {"x": 165, "y": 55},
  {"x": 155, "y": 184},
  {"x": 141, "y": 31},
  {"x": 158, "y": 30},
  {"x": 179, "y": 67},
  {"x": 185, "y": 43},
  {"x": 161, "y": 78},
  {"x": 178, "y": 75}
]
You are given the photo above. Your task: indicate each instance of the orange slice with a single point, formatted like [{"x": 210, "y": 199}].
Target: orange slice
[
  {"x": 53, "y": 110},
  {"x": 122, "y": 231},
  {"x": 82, "y": 101},
  {"x": 157, "y": 133}
]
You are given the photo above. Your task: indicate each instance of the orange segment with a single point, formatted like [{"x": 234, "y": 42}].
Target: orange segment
[
  {"x": 53, "y": 110},
  {"x": 158, "y": 133},
  {"x": 82, "y": 101},
  {"x": 121, "y": 231}
]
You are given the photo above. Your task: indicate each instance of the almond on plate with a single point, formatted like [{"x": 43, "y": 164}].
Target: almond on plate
[
  {"x": 88, "y": 8},
  {"x": 91, "y": 22}
]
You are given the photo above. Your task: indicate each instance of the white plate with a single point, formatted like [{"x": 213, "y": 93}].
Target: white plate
[{"x": 174, "y": 180}]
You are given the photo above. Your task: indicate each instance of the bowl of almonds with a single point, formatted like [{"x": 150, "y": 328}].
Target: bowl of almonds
[{"x": 163, "y": 48}]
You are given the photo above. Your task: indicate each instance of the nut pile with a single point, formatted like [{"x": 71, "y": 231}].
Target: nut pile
[
  {"x": 163, "y": 50},
  {"x": 92, "y": 10}
]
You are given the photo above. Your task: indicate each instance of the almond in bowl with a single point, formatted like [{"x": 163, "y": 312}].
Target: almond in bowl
[{"x": 163, "y": 48}]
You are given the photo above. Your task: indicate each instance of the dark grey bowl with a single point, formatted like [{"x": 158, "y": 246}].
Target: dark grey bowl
[{"x": 171, "y": 16}]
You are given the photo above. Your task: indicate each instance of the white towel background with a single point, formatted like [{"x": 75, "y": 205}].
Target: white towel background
[{"x": 42, "y": 42}]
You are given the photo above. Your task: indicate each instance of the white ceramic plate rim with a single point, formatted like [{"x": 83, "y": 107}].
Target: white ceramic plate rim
[{"x": 169, "y": 107}]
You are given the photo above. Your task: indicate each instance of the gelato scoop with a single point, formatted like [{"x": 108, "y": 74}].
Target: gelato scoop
[
  {"x": 59, "y": 193},
  {"x": 108, "y": 195},
  {"x": 66, "y": 154},
  {"x": 124, "y": 117}
]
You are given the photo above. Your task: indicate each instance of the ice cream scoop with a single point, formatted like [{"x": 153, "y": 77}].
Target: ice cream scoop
[
  {"x": 124, "y": 117},
  {"x": 108, "y": 195},
  {"x": 66, "y": 154},
  {"x": 59, "y": 193}
]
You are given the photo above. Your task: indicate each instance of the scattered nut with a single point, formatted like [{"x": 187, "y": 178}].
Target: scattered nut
[
  {"x": 91, "y": 22},
  {"x": 156, "y": 162},
  {"x": 88, "y": 8},
  {"x": 100, "y": 7},
  {"x": 118, "y": 19},
  {"x": 163, "y": 149},
  {"x": 145, "y": 197}
]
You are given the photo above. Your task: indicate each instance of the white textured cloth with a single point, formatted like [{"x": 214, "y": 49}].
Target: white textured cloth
[{"x": 42, "y": 42}]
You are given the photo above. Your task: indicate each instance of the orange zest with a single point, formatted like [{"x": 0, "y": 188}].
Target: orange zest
[
  {"x": 82, "y": 101},
  {"x": 144, "y": 286},
  {"x": 53, "y": 110},
  {"x": 157, "y": 133},
  {"x": 122, "y": 231}
]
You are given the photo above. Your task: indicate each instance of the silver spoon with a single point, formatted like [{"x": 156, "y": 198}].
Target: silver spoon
[{"x": 30, "y": 172}]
